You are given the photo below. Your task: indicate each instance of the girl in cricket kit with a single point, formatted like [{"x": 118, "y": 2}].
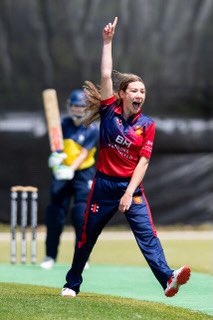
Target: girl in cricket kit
[
  {"x": 73, "y": 172},
  {"x": 126, "y": 140}
]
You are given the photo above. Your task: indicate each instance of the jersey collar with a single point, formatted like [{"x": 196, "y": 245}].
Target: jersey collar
[{"x": 118, "y": 109}]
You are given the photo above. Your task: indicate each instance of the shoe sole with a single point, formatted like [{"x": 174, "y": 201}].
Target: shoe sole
[
  {"x": 182, "y": 278},
  {"x": 184, "y": 275}
]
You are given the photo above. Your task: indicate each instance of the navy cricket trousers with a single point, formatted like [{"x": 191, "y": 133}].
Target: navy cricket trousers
[
  {"x": 61, "y": 193},
  {"x": 102, "y": 204}
]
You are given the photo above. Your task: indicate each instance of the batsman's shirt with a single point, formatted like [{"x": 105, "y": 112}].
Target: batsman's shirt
[
  {"x": 122, "y": 142},
  {"x": 76, "y": 138}
]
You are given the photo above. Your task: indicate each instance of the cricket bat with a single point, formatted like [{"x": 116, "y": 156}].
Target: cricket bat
[{"x": 53, "y": 119}]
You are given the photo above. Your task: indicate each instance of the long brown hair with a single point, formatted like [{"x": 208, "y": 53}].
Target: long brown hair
[
  {"x": 121, "y": 80},
  {"x": 93, "y": 100}
]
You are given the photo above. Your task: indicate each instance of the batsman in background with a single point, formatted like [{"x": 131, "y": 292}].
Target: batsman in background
[{"x": 73, "y": 172}]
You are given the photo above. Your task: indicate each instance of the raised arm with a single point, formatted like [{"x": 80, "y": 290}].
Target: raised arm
[{"x": 106, "y": 60}]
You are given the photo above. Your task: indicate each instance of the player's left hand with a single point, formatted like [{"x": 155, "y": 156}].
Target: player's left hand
[
  {"x": 125, "y": 202},
  {"x": 63, "y": 172}
]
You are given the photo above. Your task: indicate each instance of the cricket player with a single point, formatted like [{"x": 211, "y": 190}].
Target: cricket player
[
  {"x": 73, "y": 172},
  {"x": 126, "y": 141}
]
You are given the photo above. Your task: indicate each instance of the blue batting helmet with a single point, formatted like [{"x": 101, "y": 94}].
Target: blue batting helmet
[{"x": 77, "y": 98}]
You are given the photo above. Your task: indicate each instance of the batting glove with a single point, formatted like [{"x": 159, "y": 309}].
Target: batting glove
[
  {"x": 55, "y": 159},
  {"x": 63, "y": 172}
]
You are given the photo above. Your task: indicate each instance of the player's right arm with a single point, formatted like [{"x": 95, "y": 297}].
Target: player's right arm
[{"x": 106, "y": 60}]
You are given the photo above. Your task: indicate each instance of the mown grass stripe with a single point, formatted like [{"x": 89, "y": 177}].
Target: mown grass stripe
[{"x": 130, "y": 282}]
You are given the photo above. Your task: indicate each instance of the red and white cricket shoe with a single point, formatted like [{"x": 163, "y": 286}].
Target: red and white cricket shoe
[{"x": 177, "y": 279}]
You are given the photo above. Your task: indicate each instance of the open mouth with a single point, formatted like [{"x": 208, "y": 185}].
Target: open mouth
[{"x": 136, "y": 105}]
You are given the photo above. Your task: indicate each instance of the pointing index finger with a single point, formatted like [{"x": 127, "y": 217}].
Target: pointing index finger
[{"x": 115, "y": 22}]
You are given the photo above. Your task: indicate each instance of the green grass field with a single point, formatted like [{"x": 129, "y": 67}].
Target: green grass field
[
  {"x": 32, "y": 302},
  {"x": 19, "y": 301}
]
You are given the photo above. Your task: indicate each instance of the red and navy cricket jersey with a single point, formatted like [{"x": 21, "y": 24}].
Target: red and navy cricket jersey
[{"x": 122, "y": 142}]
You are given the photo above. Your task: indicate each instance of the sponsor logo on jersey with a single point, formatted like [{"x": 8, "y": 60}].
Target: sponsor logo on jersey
[
  {"x": 122, "y": 141},
  {"x": 138, "y": 130}
]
